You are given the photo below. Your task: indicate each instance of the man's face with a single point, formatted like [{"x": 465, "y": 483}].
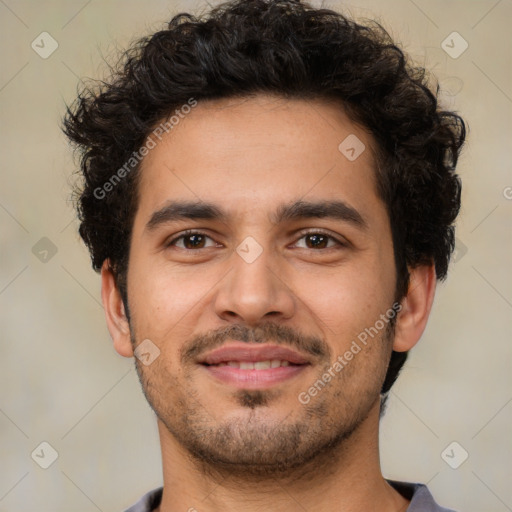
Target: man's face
[{"x": 251, "y": 309}]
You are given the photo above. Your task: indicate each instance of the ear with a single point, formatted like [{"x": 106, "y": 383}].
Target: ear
[
  {"x": 416, "y": 306},
  {"x": 115, "y": 314}
]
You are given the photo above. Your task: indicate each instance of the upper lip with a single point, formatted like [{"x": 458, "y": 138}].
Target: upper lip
[{"x": 240, "y": 351}]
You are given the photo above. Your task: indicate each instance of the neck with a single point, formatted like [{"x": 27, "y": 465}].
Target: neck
[{"x": 347, "y": 478}]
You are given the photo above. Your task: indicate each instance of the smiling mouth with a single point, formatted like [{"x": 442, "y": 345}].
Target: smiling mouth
[
  {"x": 246, "y": 366},
  {"x": 253, "y": 375},
  {"x": 254, "y": 365}
]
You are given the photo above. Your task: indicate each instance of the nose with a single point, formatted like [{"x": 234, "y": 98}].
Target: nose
[{"x": 254, "y": 291}]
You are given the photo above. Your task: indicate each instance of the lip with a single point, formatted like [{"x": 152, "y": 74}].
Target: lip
[
  {"x": 253, "y": 379},
  {"x": 239, "y": 351}
]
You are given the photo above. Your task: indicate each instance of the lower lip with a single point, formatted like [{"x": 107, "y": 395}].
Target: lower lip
[{"x": 254, "y": 379}]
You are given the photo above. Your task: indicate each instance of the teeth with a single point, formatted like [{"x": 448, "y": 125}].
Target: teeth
[
  {"x": 258, "y": 365},
  {"x": 262, "y": 365}
]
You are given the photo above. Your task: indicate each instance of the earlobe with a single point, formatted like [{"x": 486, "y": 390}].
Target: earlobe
[
  {"x": 115, "y": 314},
  {"x": 416, "y": 306}
]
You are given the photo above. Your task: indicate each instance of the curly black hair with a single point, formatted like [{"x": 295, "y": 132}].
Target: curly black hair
[{"x": 288, "y": 48}]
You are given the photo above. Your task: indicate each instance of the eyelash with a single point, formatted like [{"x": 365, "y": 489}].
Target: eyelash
[{"x": 302, "y": 235}]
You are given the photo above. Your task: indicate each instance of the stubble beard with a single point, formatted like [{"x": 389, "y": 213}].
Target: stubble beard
[{"x": 251, "y": 446}]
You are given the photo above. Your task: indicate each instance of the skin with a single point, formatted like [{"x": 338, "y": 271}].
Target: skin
[{"x": 226, "y": 448}]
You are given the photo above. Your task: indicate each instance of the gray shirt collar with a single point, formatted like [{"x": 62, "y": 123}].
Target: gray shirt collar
[{"x": 421, "y": 499}]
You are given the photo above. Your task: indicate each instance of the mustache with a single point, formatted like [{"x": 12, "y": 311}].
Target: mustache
[{"x": 268, "y": 332}]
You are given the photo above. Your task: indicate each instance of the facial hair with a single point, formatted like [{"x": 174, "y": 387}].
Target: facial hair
[{"x": 252, "y": 444}]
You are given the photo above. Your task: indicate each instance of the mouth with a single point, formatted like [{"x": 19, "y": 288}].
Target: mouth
[{"x": 253, "y": 367}]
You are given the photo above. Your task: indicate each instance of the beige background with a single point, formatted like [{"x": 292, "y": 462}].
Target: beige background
[{"x": 60, "y": 379}]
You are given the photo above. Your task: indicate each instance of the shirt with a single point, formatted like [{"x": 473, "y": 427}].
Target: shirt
[{"x": 421, "y": 499}]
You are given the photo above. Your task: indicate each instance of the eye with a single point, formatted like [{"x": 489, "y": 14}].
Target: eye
[
  {"x": 191, "y": 240},
  {"x": 318, "y": 240}
]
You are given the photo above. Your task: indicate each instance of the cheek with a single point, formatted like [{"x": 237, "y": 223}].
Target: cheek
[
  {"x": 346, "y": 300},
  {"x": 165, "y": 300}
]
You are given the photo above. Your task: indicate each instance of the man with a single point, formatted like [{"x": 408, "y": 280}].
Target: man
[{"x": 269, "y": 193}]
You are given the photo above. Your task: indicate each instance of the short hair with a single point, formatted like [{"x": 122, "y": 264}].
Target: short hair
[{"x": 291, "y": 49}]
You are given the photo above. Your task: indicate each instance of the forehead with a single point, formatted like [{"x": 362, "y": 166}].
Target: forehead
[{"x": 252, "y": 153}]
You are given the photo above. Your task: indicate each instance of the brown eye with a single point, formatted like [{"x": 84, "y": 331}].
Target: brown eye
[
  {"x": 191, "y": 241},
  {"x": 318, "y": 240},
  {"x": 194, "y": 241}
]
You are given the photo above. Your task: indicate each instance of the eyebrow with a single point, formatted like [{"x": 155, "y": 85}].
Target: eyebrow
[
  {"x": 296, "y": 210},
  {"x": 337, "y": 210},
  {"x": 179, "y": 210}
]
